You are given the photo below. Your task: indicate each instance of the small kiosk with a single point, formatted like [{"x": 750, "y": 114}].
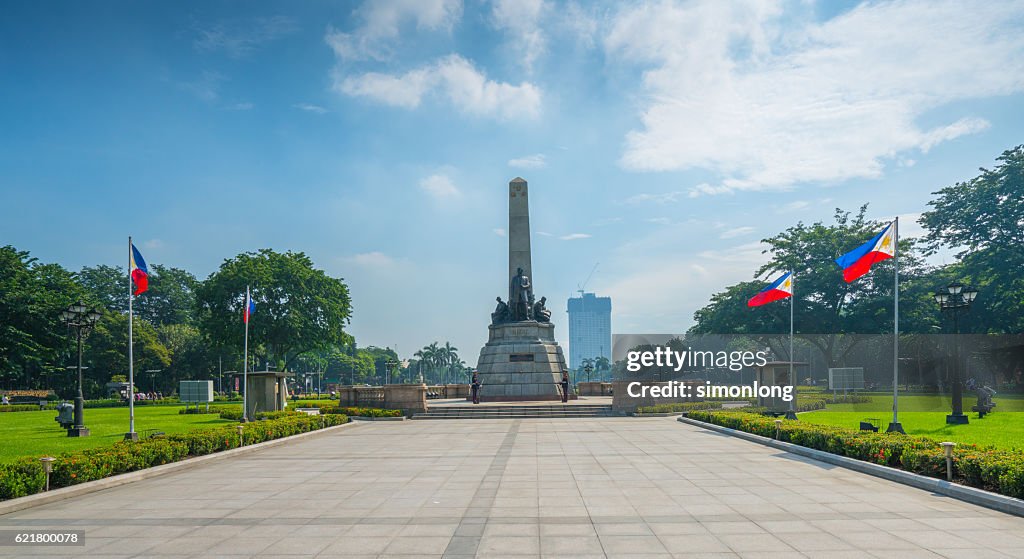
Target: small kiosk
[
  {"x": 776, "y": 373},
  {"x": 268, "y": 391}
]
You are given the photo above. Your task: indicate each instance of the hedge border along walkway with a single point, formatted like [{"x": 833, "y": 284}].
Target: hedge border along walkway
[
  {"x": 986, "y": 476},
  {"x": 26, "y": 477}
]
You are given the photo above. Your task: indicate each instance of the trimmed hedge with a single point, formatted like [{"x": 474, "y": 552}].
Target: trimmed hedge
[
  {"x": 19, "y": 407},
  {"x": 26, "y": 476},
  {"x": 1000, "y": 471},
  {"x": 235, "y": 413},
  {"x": 678, "y": 407},
  {"x": 362, "y": 412}
]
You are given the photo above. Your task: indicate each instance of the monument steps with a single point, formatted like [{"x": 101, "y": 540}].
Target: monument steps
[{"x": 550, "y": 411}]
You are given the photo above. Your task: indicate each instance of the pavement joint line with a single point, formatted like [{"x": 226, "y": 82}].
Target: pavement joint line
[
  {"x": 964, "y": 493},
  {"x": 460, "y": 545},
  {"x": 46, "y": 497}
]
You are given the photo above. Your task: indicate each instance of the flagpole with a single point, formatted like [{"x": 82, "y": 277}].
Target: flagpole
[
  {"x": 245, "y": 361},
  {"x": 895, "y": 426},
  {"x": 791, "y": 414},
  {"x": 130, "y": 435}
]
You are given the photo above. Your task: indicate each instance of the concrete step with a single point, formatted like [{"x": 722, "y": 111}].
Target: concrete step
[{"x": 517, "y": 412}]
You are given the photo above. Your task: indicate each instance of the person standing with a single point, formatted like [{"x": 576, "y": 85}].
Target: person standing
[
  {"x": 475, "y": 388},
  {"x": 565, "y": 386}
]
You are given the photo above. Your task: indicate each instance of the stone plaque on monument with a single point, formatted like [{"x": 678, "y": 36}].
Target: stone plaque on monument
[{"x": 521, "y": 361}]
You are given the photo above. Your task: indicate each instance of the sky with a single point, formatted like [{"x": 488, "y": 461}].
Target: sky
[{"x": 661, "y": 140}]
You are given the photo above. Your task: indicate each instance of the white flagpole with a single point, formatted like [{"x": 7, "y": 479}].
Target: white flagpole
[
  {"x": 130, "y": 435},
  {"x": 895, "y": 425},
  {"x": 245, "y": 360},
  {"x": 792, "y": 376}
]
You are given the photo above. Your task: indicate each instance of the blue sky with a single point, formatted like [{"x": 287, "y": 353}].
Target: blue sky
[{"x": 661, "y": 139}]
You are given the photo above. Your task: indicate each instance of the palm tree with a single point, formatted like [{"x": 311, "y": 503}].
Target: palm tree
[
  {"x": 451, "y": 358},
  {"x": 588, "y": 362},
  {"x": 602, "y": 364}
]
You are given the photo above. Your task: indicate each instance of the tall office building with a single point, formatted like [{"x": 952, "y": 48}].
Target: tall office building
[{"x": 590, "y": 328}]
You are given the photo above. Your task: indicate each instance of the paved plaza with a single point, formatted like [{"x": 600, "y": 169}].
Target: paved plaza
[{"x": 625, "y": 487}]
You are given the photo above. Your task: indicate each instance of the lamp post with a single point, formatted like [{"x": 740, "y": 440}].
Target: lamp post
[
  {"x": 388, "y": 365},
  {"x": 82, "y": 319},
  {"x": 956, "y": 297},
  {"x": 152, "y": 378},
  {"x": 588, "y": 369}
]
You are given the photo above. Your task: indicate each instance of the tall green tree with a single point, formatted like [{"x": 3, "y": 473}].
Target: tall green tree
[
  {"x": 33, "y": 340},
  {"x": 983, "y": 219},
  {"x": 298, "y": 307},
  {"x": 106, "y": 353},
  {"x": 825, "y": 305}
]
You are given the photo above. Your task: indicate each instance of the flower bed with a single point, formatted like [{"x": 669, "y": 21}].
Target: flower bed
[
  {"x": 1000, "y": 471},
  {"x": 26, "y": 476},
  {"x": 678, "y": 407}
]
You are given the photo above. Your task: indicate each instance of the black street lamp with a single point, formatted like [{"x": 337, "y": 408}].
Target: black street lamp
[
  {"x": 82, "y": 319},
  {"x": 588, "y": 369},
  {"x": 388, "y": 365},
  {"x": 956, "y": 297}
]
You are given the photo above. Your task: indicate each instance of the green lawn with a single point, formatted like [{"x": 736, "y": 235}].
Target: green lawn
[
  {"x": 35, "y": 433},
  {"x": 882, "y": 402},
  {"x": 999, "y": 429}
]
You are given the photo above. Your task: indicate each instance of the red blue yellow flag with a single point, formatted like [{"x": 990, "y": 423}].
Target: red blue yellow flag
[
  {"x": 777, "y": 290},
  {"x": 139, "y": 272},
  {"x": 858, "y": 261}
]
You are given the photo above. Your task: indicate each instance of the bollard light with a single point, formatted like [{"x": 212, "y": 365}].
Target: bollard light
[
  {"x": 241, "y": 441},
  {"x": 947, "y": 448},
  {"x": 778, "y": 429},
  {"x": 47, "y": 467}
]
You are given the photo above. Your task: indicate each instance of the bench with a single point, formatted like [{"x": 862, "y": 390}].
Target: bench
[
  {"x": 982, "y": 409},
  {"x": 870, "y": 424}
]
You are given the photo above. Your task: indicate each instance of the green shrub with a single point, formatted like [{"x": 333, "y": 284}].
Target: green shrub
[
  {"x": 678, "y": 407},
  {"x": 20, "y": 407},
  {"x": 997, "y": 470},
  {"x": 361, "y": 412},
  {"x": 26, "y": 476},
  {"x": 20, "y": 478}
]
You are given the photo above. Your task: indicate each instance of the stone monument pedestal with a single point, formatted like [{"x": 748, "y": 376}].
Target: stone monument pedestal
[{"x": 521, "y": 362}]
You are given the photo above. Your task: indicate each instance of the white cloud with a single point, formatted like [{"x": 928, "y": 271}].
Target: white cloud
[
  {"x": 521, "y": 20},
  {"x": 535, "y": 161},
  {"x": 153, "y": 244},
  {"x": 382, "y": 22},
  {"x": 663, "y": 198},
  {"x": 310, "y": 108},
  {"x": 736, "y": 232},
  {"x": 241, "y": 107},
  {"x": 240, "y": 38},
  {"x": 499, "y": 232},
  {"x": 795, "y": 206},
  {"x": 453, "y": 78},
  {"x": 574, "y": 236},
  {"x": 375, "y": 260},
  {"x": 545, "y": 234},
  {"x": 439, "y": 186},
  {"x": 659, "y": 220},
  {"x": 729, "y": 90},
  {"x": 206, "y": 88}
]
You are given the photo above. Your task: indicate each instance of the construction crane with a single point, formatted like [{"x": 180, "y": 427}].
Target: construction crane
[{"x": 586, "y": 281}]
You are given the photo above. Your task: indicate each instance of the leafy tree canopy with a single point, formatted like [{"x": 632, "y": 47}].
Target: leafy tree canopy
[{"x": 298, "y": 307}]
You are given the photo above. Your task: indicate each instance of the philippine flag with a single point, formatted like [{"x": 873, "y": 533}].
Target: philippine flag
[
  {"x": 858, "y": 262},
  {"x": 250, "y": 307},
  {"x": 778, "y": 289},
  {"x": 139, "y": 272}
]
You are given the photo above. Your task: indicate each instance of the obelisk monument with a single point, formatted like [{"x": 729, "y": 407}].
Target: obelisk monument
[
  {"x": 519, "y": 228},
  {"x": 521, "y": 361}
]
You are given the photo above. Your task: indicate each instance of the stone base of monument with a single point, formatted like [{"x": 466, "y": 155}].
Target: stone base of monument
[{"x": 521, "y": 362}]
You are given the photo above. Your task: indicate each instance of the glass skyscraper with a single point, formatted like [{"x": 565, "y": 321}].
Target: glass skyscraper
[{"x": 590, "y": 328}]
